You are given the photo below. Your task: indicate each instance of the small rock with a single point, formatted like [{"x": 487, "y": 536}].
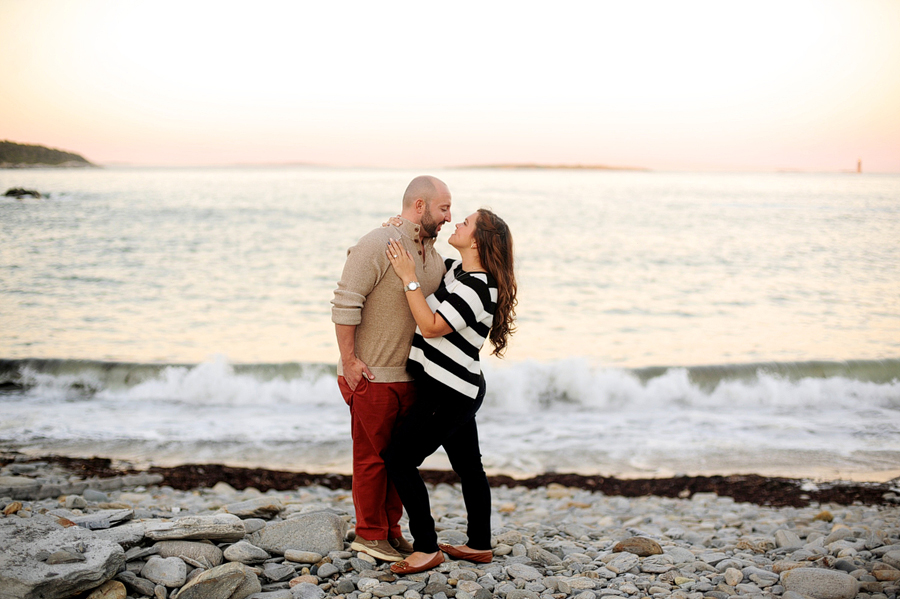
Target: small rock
[
  {"x": 260, "y": 507},
  {"x": 327, "y": 570},
  {"x": 303, "y": 557},
  {"x": 305, "y": 590},
  {"x": 639, "y": 546},
  {"x": 111, "y": 589},
  {"x": 733, "y": 577},
  {"x": 245, "y": 553},
  {"x": 820, "y": 583},
  {"x": 167, "y": 571}
]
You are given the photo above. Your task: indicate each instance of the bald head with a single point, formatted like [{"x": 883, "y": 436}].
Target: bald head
[
  {"x": 425, "y": 188},
  {"x": 427, "y": 203}
]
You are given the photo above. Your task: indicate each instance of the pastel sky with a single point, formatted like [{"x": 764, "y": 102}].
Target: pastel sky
[{"x": 718, "y": 85}]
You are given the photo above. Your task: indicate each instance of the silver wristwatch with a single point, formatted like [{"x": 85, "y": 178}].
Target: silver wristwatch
[{"x": 412, "y": 286}]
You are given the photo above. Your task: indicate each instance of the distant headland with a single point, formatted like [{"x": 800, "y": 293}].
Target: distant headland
[
  {"x": 574, "y": 167},
  {"x": 14, "y": 155}
]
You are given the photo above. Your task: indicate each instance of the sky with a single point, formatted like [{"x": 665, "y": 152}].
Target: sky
[{"x": 711, "y": 85}]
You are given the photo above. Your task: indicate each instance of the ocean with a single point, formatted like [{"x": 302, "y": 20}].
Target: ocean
[{"x": 668, "y": 323}]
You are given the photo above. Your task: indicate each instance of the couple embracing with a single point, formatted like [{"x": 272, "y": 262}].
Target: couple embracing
[{"x": 409, "y": 327}]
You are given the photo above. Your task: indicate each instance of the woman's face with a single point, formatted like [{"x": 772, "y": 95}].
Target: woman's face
[{"x": 464, "y": 235}]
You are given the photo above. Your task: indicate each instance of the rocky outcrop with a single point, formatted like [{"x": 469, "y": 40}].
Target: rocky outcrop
[{"x": 82, "y": 561}]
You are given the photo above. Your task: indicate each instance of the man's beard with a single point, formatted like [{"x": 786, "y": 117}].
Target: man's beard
[{"x": 429, "y": 224}]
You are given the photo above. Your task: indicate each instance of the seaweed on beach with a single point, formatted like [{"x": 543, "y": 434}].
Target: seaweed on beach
[{"x": 750, "y": 488}]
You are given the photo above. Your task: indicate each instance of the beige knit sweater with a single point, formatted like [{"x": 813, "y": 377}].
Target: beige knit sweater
[{"x": 370, "y": 295}]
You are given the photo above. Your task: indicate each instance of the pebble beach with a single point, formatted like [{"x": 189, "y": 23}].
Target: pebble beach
[{"x": 66, "y": 535}]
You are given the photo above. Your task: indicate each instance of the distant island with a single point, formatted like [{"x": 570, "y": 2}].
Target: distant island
[
  {"x": 13, "y": 155},
  {"x": 574, "y": 167}
]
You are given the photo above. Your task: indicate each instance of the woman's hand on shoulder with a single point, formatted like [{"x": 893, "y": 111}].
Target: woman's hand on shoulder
[
  {"x": 402, "y": 261},
  {"x": 394, "y": 221}
]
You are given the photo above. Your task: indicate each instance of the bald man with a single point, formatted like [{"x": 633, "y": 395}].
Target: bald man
[{"x": 374, "y": 329}]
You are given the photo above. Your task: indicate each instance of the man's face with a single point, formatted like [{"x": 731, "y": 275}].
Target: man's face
[{"x": 437, "y": 212}]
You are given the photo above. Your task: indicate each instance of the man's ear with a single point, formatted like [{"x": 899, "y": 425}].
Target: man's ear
[{"x": 420, "y": 206}]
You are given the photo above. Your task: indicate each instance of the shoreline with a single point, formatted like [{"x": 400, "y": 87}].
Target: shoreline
[{"x": 743, "y": 488}]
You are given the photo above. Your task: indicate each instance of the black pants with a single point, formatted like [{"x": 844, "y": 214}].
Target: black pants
[{"x": 440, "y": 417}]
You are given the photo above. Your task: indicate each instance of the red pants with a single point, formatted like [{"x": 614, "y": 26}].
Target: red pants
[{"x": 375, "y": 411}]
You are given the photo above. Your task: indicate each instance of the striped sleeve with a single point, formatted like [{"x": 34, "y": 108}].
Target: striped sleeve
[{"x": 468, "y": 304}]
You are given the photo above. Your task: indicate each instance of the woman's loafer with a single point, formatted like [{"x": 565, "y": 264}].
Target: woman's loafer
[
  {"x": 404, "y": 567},
  {"x": 479, "y": 557}
]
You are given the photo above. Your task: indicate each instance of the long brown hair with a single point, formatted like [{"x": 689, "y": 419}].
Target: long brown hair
[{"x": 495, "y": 250}]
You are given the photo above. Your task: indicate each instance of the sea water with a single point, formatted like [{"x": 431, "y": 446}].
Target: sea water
[{"x": 667, "y": 322}]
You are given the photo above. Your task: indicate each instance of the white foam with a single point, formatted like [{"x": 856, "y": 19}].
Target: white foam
[{"x": 537, "y": 417}]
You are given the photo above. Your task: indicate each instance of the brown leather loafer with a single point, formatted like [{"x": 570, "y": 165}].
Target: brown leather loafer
[
  {"x": 479, "y": 557},
  {"x": 404, "y": 567}
]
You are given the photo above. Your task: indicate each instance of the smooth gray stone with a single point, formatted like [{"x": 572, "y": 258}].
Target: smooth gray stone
[
  {"x": 279, "y": 594},
  {"x": 522, "y": 594},
  {"x": 838, "y": 534},
  {"x": 524, "y": 572},
  {"x": 892, "y": 558},
  {"x": 679, "y": 554},
  {"x": 258, "y": 507},
  {"x": 820, "y": 583},
  {"x": 319, "y": 532},
  {"x": 657, "y": 564},
  {"x": 542, "y": 556},
  {"x": 884, "y": 549},
  {"x": 307, "y": 590},
  {"x": 278, "y": 572},
  {"x": 245, "y": 553},
  {"x": 94, "y": 495},
  {"x": 251, "y": 525},
  {"x": 168, "y": 571},
  {"x": 141, "y": 586},
  {"x": 787, "y": 539},
  {"x": 326, "y": 570},
  {"x": 623, "y": 562},
  {"x": 23, "y": 575},
  {"x": 204, "y": 553},
  {"x": 845, "y": 566},
  {"x": 303, "y": 557},
  {"x": 712, "y": 558},
  {"x": 345, "y": 586},
  {"x": 228, "y": 581},
  {"x": 75, "y": 502},
  {"x": 388, "y": 590},
  {"x": 226, "y": 528}
]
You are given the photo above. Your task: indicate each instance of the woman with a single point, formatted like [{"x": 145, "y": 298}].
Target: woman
[{"x": 476, "y": 300}]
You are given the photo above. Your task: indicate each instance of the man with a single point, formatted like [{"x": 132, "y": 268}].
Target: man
[{"x": 374, "y": 329}]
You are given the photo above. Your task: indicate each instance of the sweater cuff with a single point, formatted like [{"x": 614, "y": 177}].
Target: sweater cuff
[{"x": 348, "y": 316}]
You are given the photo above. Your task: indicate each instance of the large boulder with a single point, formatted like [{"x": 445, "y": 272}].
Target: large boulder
[
  {"x": 319, "y": 532},
  {"x": 27, "y": 543}
]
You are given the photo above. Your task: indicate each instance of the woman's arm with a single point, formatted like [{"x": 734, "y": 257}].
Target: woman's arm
[{"x": 430, "y": 323}]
